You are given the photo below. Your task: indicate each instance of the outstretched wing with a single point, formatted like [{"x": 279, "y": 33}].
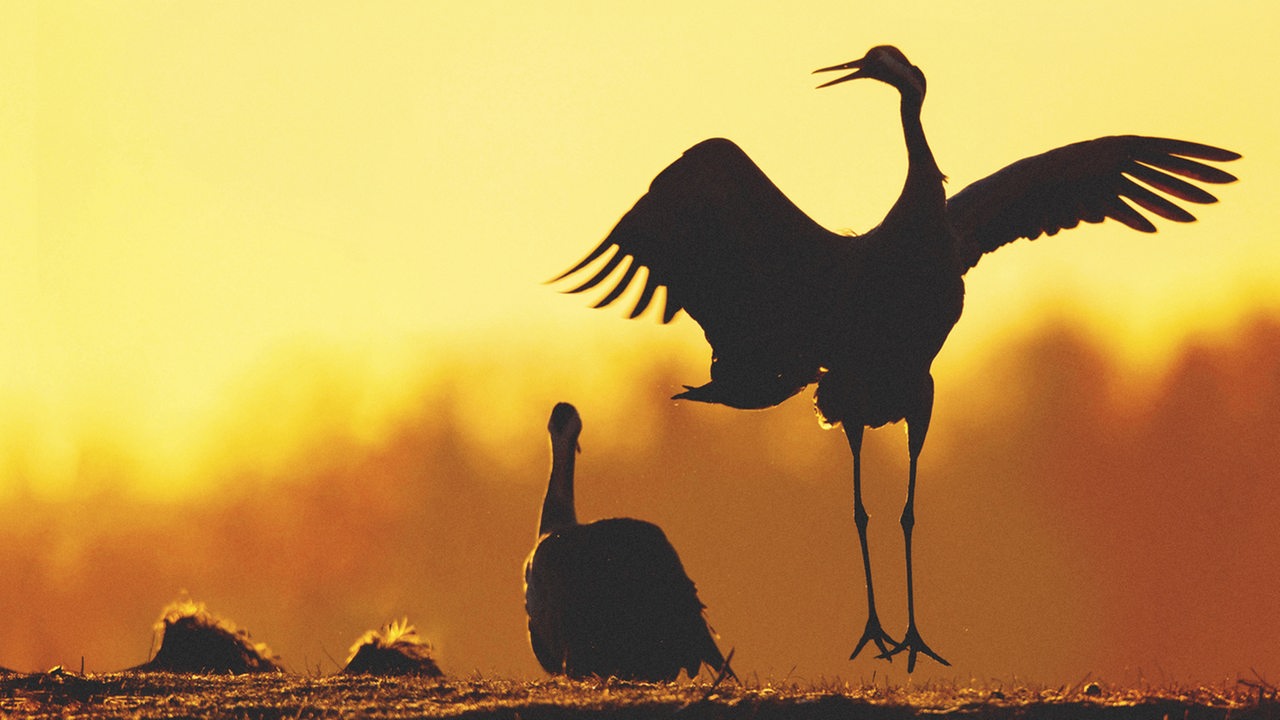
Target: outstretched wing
[
  {"x": 1086, "y": 181},
  {"x": 739, "y": 257}
]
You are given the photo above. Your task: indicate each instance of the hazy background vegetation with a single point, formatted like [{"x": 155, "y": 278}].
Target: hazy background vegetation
[{"x": 1073, "y": 517}]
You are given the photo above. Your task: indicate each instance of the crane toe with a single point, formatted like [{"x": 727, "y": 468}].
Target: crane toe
[
  {"x": 914, "y": 645},
  {"x": 876, "y": 634}
]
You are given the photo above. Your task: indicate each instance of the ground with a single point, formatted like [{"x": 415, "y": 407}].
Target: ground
[{"x": 279, "y": 695}]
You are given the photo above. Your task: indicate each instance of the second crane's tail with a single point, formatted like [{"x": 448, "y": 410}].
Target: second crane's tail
[
  {"x": 715, "y": 660},
  {"x": 722, "y": 668}
]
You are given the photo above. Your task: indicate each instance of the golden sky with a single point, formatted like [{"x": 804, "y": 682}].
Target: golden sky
[{"x": 193, "y": 191}]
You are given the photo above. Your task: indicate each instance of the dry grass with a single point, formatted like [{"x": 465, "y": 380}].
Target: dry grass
[{"x": 278, "y": 695}]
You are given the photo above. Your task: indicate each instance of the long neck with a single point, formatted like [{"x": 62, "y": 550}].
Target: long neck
[
  {"x": 557, "y": 506},
  {"x": 922, "y": 192}
]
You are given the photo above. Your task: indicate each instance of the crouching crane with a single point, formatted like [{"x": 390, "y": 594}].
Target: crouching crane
[
  {"x": 610, "y": 597},
  {"x": 786, "y": 303}
]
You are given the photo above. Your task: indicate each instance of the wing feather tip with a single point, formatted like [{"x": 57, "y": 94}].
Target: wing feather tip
[{"x": 590, "y": 257}]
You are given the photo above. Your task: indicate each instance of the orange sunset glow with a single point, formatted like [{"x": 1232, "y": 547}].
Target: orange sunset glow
[{"x": 278, "y": 336}]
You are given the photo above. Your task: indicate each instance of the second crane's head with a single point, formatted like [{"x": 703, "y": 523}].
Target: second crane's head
[
  {"x": 565, "y": 425},
  {"x": 887, "y": 64}
]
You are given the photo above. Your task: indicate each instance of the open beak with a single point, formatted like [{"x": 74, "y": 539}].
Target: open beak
[{"x": 855, "y": 65}]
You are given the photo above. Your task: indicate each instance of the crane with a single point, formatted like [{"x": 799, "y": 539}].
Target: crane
[
  {"x": 609, "y": 597},
  {"x": 785, "y": 303}
]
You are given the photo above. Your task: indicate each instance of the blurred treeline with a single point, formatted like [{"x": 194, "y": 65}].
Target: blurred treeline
[{"x": 1073, "y": 518}]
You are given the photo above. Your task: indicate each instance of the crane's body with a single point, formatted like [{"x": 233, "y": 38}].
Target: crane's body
[
  {"x": 611, "y": 597},
  {"x": 786, "y": 303}
]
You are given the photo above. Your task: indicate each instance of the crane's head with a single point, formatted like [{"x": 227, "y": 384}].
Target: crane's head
[
  {"x": 565, "y": 424},
  {"x": 885, "y": 63}
]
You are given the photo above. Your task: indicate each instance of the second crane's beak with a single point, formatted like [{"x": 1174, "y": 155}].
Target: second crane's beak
[{"x": 855, "y": 65}]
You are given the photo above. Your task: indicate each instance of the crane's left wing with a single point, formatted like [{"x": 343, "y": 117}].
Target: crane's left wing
[
  {"x": 736, "y": 254},
  {"x": 1086, "y": 181}
]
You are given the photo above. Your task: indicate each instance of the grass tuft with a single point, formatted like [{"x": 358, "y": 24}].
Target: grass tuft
[
  {"x": 194, "y": 640},
  {"x": 395, "y": 649}
]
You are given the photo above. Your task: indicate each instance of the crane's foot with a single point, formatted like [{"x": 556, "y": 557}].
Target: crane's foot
[
  {"x": 914, "y": 645},
  {"x": 874, "y": 633}
]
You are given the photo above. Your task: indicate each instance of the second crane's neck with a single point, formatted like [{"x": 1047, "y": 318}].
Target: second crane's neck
[
  {"x": 923, "y": 192},
  {"x": 558, "y": 506}
]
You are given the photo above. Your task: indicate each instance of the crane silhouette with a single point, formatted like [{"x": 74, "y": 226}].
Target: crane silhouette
[
  {"x": 610, "y": 597},
  {"x": 785, "y": 303}
]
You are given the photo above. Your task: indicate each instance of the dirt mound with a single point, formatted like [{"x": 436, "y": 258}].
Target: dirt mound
[
  {"x": 396, "y": 649},
  {"x": 193, "y": 640}
]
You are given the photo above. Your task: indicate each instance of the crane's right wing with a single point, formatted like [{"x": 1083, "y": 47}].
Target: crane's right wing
[{"x": 736, "y": 254}]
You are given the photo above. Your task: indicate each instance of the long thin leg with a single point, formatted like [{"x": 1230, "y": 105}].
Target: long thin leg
[
  {"x": 873, "y": 632},
  {"x": 917, "y": 428}
]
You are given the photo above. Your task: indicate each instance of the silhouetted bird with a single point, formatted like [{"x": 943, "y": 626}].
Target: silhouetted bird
[
  {"x": 610, "y": 597},
  {"x": 785, "y": 302}
]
